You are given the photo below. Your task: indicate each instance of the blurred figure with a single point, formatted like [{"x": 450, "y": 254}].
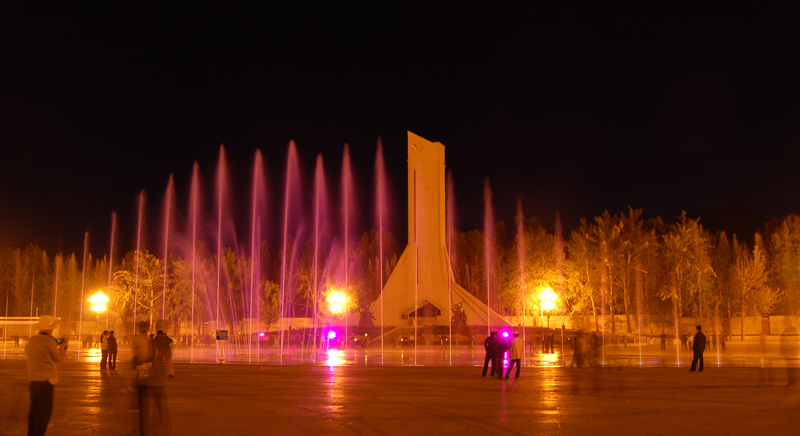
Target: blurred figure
[
  {"x": 142, "y": 348},
  {"x": 515, "y": 351},
  {"x": 698, "y": 347},
  {"x": 500, "y": 349},
  {"x": 104, "y": 349},
  {"x": 16, "y": 339},
  {"x": 161, "y": 343},
  {"x": 663, "y": 341},
  {"x": 43, "y": 352},
  {"x": 580, "y": 350},
  {"x": 790, "y": 349},
  {"x": 162, "y": 362},
  {"x": 597, "y": 348},
  {"x": 488, "y": 344},
  {"x": 684, "y": 340},
  {"x": 112, "y": 350}
]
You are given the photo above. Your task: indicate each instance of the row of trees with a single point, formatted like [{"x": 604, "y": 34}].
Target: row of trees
[{"x": 616, "y": 264}]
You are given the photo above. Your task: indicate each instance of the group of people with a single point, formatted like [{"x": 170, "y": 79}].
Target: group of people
[
  {"x": 586, "y": 351},
  {"x": 152, "y": 364},
  {"x": 108, "y": 350},
  {"x": 496, "y": 346}
]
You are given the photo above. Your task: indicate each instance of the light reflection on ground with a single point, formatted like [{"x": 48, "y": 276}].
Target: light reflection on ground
[{"x": 335, "y": 358}]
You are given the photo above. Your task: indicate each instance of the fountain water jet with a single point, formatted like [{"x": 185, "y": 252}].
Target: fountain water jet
[
  {"x": 521, "y": 248},
  {"x": 320, "y": 215},
  {"x": 451, "y": 256},
  {"x": 292, "y": 191},
  {"x": 259, "y": 211},
  {"x": 55, "y": 284},
  {"x": 140, "y": 223},
  {"x": 639, "y": 288},
  {"x": 488, "y": 247},
  {"x": 560, "y": 269},
  {"x": 347, "y": 200},
  {"x": 170, "y": 194},
  {"x": 83, "y": 282},
  {"x": 110, "y": 259},
  {"x": 380, "y": 194},
  {"x": 194, "y": 200}
]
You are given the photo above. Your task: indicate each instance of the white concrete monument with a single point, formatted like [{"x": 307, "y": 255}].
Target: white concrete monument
[{"x": 423, "y": 269}]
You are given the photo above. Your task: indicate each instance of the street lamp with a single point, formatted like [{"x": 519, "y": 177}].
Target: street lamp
[
  {"x": 99, "y": 301},
  {"x": 548, "y": 299}
]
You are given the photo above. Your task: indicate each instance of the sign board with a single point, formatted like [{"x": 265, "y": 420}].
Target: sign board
[{"x": 222, "y": 335}]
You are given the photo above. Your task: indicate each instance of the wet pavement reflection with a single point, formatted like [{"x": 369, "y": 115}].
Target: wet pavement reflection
[
  {"x": 235, "y": 399},
  {"x": 350, "y": 392}
]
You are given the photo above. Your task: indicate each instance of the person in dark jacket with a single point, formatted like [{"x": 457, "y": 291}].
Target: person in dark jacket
[
  {"x": 500, "y": 349},
  {"x": 698, "y": 346},
  {"x": 112, "y": 350},
  {"x": 489, "y": 344}
]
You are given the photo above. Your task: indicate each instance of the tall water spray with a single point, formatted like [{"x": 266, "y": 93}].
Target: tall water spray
[
  {"x": 488, "y": 248},
  {"x": 560, "y": 256},
  {"x": 521, "y": 252},
  {"x": 139, "y": 225},
  {"x": 320, "y": 218},
  {"x": 55, "y": 284},
  {"x": 380, "y": 199},
  {"x": 111, "y": 259},
  {"x": 169, "y": 198},
  {"x": 348, "y": 215},
  {"x": 258, "y": 216},
  {"x": 194, "y": 205},
  {"x": 639, "y": 291},
  {"x": 292, "y": 191},
  {"x": 83, "y": 283},
  {"x": 451, "y": 254}
]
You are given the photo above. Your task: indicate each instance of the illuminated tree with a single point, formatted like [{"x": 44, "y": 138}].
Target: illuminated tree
[{"x": 785, "y": 260}]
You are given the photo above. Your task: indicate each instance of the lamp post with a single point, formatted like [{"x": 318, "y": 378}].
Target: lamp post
[
  {"x": 99, "y": 302},
  {"x": 548, "y": 302},
  {"x": 337, "y": 302}
]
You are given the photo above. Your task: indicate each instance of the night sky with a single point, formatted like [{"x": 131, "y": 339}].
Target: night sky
[{"x": 577, "y": 108}]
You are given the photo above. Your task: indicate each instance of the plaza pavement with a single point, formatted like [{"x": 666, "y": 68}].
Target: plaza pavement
[{"x": 352, "y": 394}]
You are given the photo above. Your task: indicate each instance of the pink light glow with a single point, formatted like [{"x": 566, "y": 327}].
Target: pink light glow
[
  {"x": 331, "y": 334},
  {"x": 262, "y": 334},
  {"x": 505, "y": 334}
]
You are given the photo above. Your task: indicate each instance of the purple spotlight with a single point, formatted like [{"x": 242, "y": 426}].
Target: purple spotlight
[
  {"x": 505, "y": 334},
  {"x": 262, "y": 334},
  {"x": 331, "y": 334}
]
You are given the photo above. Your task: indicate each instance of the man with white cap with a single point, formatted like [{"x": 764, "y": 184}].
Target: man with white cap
[
  {"x": 515, "y": 351},
  {"x": 43, "y": 352}
]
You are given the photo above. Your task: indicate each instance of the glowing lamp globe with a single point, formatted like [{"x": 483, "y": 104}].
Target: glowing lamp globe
[
  {"x": 331, "y": 334},
  {"x": 99, "y": 301}
]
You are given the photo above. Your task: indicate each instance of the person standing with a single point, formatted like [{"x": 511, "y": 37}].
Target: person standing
[
  {"x": 16, "y": 340},
  {"x": 489, "y": 344},
  {"x": 698, "y": 346},
  {"x": 161, "y": 343},
  {"x": 663, "y": 341},
  {"x": 43, "y": 352},
  {"x": 104, "y": 349},
  {"x": 790, "y": 349},
  {"x": 499, "y": 354},
  {"x": 112, "y": 350},
  {"x": 162, "y": 362},
  {"x": 515, "y": 351},
  {"x": 142, "y": 348}
]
